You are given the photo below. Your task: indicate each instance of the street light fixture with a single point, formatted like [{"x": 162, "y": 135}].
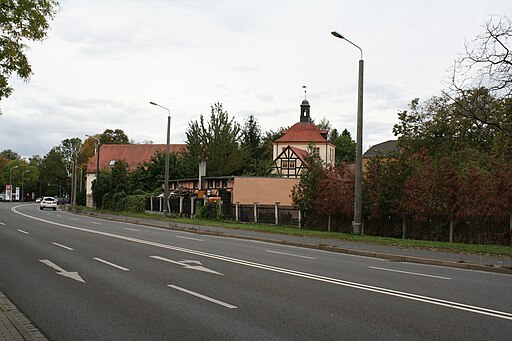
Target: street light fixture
[
  {"x": 10, "y": 180},
  {"x": 358, "y": 200},
  {"x": 166, "y": 180},
  {"x": 22, "y": 193}
]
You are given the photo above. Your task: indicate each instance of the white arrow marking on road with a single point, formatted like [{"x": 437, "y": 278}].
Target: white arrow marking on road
[
  {"x": 60, "y": 271},
  {"x": 186, "y": 265}
]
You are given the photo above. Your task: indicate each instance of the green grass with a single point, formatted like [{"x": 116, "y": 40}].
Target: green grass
[{"x": 495, "y": 250}]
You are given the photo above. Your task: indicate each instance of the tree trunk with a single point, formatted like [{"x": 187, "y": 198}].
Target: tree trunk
[
  {"x": 404, "y": 227},
  {"x": 329, "y": 223}
]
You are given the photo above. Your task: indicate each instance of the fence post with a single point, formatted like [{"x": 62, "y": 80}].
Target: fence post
[
  {"x": 276, "y": 209},
  {"x": 256, "y": 212},
  {"x": 192, "y": 207},
  {"x": 237, "y": 211},
  {"x": 151, "y": 202},
  {"x": 160, "y": 202},
  {"x": 181, "y": 205},
  {"x": 451, "y": 231},
  {"x": 404, "y": 227},
  {"x": 300, "y": 219}
]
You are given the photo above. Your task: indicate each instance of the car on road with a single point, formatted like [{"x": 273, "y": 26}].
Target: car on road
[
  {"x": 48, "y": 202},
  {"x": 38, "y": 200}
]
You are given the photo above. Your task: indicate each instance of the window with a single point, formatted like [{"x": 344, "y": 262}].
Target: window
[
  {"x": 112, "y": 163},
  {"x": 284, "y": 163},
  {"x": 291, "y": 164}
]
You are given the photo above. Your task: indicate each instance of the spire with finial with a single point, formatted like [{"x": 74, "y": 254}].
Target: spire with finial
[{"x": 304, "y": 109}]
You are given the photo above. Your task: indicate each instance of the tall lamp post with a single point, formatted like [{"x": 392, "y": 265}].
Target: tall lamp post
[
  {"x": 10, "y": 180},
  {"x": 22, "y": 193},
  {"x": 98, "y": 146},
  {"x": 166, "y": 180},
  {"x": 358, "y": 200}
]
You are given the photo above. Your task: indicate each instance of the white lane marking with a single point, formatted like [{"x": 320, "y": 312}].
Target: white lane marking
[
  {"x": 24, "y": 232},
  {"x": 2, "y": 223},
  {"x": 408, "y": 272},
  {"x": 60, "y": 271},
  {"x": 111, "y": 264},
  {"x": 189, "y": 238},
  {"x": 95, "y": 223},
  {"x": 129, "y": 229},
  {"x": 58, "y": 215},
  {"x": 189, "y": 265},
  {"x": 289, "y": 254},
  {"x": 63, "y": 246},
  {"x": 74, "y": 219},
  {"x": 335, "y": 281},
  {"x": 213, "y": 300}
]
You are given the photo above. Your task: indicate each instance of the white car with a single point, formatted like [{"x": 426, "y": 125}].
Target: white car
[{"x": 48, "y": 202}]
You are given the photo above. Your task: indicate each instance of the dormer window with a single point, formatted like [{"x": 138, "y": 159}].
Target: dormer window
[{"x": 112, "y": 163}]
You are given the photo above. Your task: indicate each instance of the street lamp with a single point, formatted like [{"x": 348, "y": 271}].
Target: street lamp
[
  {"x": 358, "y": 200},
  {"x": 166, "y": 184},
  {"x": 10, "y": 180},
  {"x": 22, "y": 174}
]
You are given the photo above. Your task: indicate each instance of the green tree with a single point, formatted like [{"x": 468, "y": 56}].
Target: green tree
[
  {"x": 21, "y": 21},
  {"x": 116, "y": 136},
  {"x": 52, "y": 170},
  {"x": 10, "y": 154},
  {"x": 258, "y": 156},
  {"x": 345, "y": 146},
  {"x": 217, "y": 141}
]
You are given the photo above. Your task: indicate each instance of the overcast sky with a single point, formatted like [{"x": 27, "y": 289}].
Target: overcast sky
[{"x": 104, "y": 60}]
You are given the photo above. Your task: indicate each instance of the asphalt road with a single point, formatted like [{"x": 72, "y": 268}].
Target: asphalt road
[{"x": 83, "y": 278}]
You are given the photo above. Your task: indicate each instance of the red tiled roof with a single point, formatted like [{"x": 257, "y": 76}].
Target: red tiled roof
[
  {"x": 133, "y": 154},
  {"x": 303, "y": 132},
  {"x": 301, "y": 153}
]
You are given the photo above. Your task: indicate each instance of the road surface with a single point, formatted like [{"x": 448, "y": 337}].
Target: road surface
[{"x": 82, "y": 278}]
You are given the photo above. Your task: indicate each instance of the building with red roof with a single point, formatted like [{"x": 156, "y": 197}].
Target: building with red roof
[
  {"x": 291, "y": 149},
  {"x": 132, "y": 154}
]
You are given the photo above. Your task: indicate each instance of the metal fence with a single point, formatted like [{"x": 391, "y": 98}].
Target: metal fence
[{"x": 491, "y": 230}]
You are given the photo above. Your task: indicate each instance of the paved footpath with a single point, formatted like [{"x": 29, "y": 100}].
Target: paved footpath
[{"x": 14, "y": 326}]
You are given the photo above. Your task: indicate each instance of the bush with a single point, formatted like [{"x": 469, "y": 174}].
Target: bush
[
  {"x": 136, "y": 203},
  {"x": 106, "y": 201},
  {"x": 207, "y": 211},
  {"x": 139, "y": 192},
  {"x": 118, "y": 202}
]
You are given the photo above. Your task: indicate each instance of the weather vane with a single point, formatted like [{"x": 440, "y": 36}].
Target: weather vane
[{"x": 304, "y": 87}]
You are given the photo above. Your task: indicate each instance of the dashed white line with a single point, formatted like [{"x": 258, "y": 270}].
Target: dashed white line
[
  {"x": 95, "y": 223},
  {"x": 188, "y": 238},
  {"x": 24, "y": 232},
  {"x": 74, "y": 219},
  {"x": 408, "y": 273},
  {"x": 58, "y": 215},
  {"x": 213, "y": 300},
  {"x": 289, "y": 254},
  {"x": 111, "y": 264},
  {"x": 63, "y": 246},
  {"x": 129, "y": 229},
  {"x": 3, "y": 224}
]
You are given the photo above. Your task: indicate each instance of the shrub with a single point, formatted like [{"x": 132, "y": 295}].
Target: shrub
[
  {"x": 136, "y": 203},
  {"x": 207, "y": 211},
  {"x": 139, "y": 192},
  {"x": 106, "y": 201},
  {"x": 118, "y": 202}
]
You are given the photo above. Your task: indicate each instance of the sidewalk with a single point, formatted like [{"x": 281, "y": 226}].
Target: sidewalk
[
  {"x": 14, "y": 326},
  {"x": 393, "y": 253}
]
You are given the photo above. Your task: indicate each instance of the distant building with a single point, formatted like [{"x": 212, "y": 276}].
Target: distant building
[
  {"x": 384, "y": 149},
  {"x": 290, "y": 150},
  {"x": 132, "y": 154}
]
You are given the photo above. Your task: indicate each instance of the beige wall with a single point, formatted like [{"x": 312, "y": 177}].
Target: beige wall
[
  {"x": 266, "y": 191},
  {"x": 326, "y": 150}
]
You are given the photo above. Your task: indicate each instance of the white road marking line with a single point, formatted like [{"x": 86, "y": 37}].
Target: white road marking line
[
  {"x": 60, "y": 271},
  {"x": 213, "y": 300},
  {"x": 129, "y": 229},
  {"x": 63, "y": 246},
  {"x": 74, "y": 219},
  {"x": 289, "y": 254},
  {"x": 408, "y": 272},
  {"x": 401, "y": 294},
  {"x": 24, "y": 232},
  {"x": 188, "y": 238},
  {"x": 58, "y": 215},
  {"x": 95, "y": 223},
  {"x": 111, "y": 264},
  {"x": 2, "y": 223},
  {"x": 189, "y": 264}
]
